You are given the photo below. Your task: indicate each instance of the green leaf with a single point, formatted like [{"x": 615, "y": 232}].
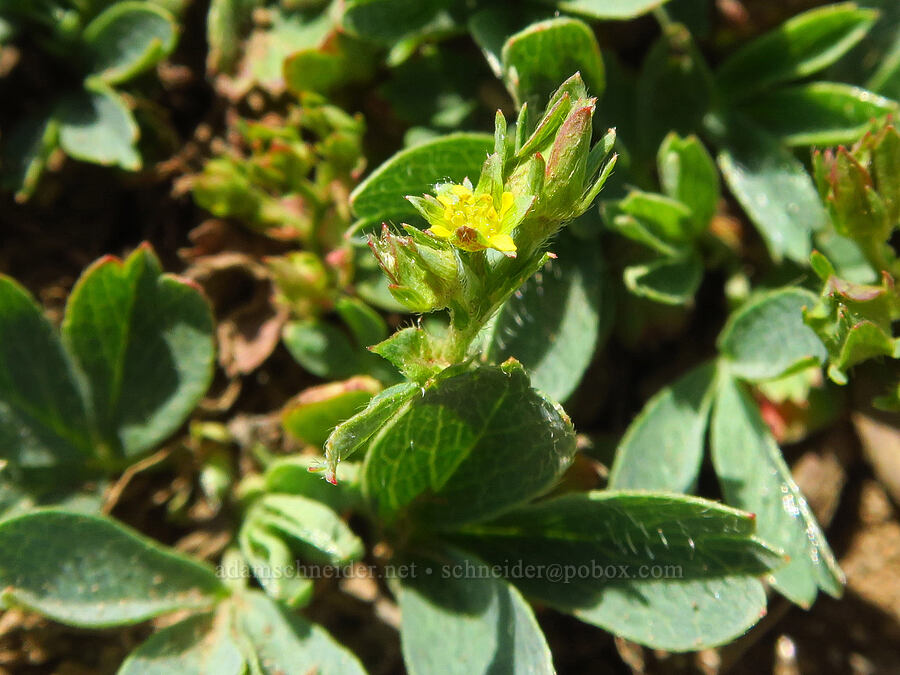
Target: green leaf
[
  {"x": 310, "y": 529},
  {"x": 667, "y": 571},
  {"x": 607, "y": 9},
  {"x": 17, "y": 498},
  {"x": 471, "y": 446},
  {"x": 225, "y": 24},
  {"x": 492, "y": 25},
  {"x": 200, "y": 645},
  {"x": 663, "y": 447},
  {"x": 339, "y": 61},
  {"x": 818, "y": 113},
  {"x": 43, "y": 420},
  {"x": 387, "y": 21},
  {"x": 8, "y": 30},
  {"x": 688, "y": 173},
  {"x": 91, "y": 572},
  {"x": 96, "y": 126},
  {"x": 848, "y": 259},
  {"x": 297, "y": 475},
  {"x": 144, "y": 341},
  {"x": 799, "y": 47},
  {"x": 754, "y": 476},
  {"x": 322, "y": 349},
  {"x": 249, "y": 633},
  {"x": 354, "y": 434},
  {"x": 286, "y": 32},
  {"x": 26, "y": 151},
  {"x": 667, "y": 217},
  {"x": 773, "y": 188},
  {"x": 640, "y": 231},
  {"x": 438, "y": 88},
  {"x": 283, "y": 643},
  {"x": 414, "y": 171},
  {"x": 538, "y": 58},
  {"x": 467, "y": 624},
  {"x": 364, "y": 322},
  {"x": 411, "y": 350},
  {"x": 315, "y": 412},
  {"x": 674, "y": 89},
  {"x": 128, "y": 38},
  {"x": 554, "y": 322},
  {"x": 766, "y": 338},
  {"x": 273, "y": 564},
  {"x": 670, "y": 281}
]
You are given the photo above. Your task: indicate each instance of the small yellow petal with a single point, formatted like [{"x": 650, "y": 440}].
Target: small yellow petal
[
  {"x": 503, "y": 243},
  {"x": 441, "y": 231},
  {"x": 506, "y": 203}
]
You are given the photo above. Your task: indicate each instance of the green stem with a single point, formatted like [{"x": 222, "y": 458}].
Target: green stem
[{"x": 662, "y": 17}]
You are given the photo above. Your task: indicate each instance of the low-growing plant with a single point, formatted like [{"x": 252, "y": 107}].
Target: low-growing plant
[
  {"x": 443, "y": 308},
  {"x": 459, "y": 461}
]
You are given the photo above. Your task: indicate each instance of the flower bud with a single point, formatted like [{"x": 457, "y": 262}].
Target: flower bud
[
  {"x": 860, "y": 186},
  {"x": 422, "y": 269},
  {"x": 566, "y": 167}
]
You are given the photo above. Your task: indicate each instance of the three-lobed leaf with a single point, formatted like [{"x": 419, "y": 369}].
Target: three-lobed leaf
[{"x": 136, "y": 356}]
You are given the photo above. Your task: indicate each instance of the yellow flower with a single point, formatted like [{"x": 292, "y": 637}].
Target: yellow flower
[{"x": 472, "y": 221}]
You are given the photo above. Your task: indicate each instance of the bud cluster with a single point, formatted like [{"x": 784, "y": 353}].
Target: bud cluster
[{"x": 861, "y": 188}]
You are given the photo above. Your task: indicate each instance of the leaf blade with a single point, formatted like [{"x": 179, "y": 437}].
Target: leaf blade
[
  {"x": 663, "y": 446},
  {"x": 413, "y": 172},
  {"x": 144, "y": 341},
  {"x": 91, "y": 572},
  {"x": 799, "y": 47},
  {"x": 753, "y": 475}
]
